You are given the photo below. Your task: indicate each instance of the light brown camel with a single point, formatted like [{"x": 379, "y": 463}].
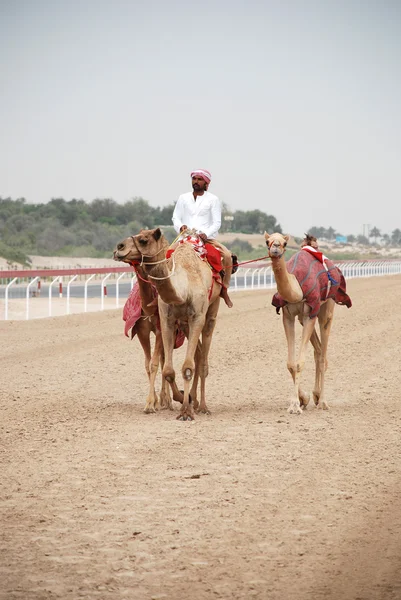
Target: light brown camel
[
  {"x": 143, "y": 328},
  {"x": 188, "y": 295},
  {"x": 328, "y": 289}
]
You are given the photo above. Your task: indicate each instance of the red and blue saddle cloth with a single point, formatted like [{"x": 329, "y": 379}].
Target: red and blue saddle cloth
[
  {"x": 319, "y": 279},
  {"x": 205, "y": 251}
]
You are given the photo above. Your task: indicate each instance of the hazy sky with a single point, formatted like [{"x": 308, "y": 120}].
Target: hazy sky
[{"x": 294, "y": 106}]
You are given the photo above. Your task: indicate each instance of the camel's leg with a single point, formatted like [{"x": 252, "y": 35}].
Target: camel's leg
[
  {"x": 144, "y": 339},
  {"x": 168, "y": 335},
  {"x": 304, "y": 397},
  {"x": 317, "y": 348},
  {"x": 165, "y": 396},
  {"x": 196, "y": 324},
  {"x": 194, "y": 387},
  {"x": 295, "y": 366},
  {"x": 207, "y": 335},
  {"x": 289, "y": 330},
  {"x": 152, "y": 402},
  {"x": 143, "y": 333},
  {"x": 325, "y": 317}
]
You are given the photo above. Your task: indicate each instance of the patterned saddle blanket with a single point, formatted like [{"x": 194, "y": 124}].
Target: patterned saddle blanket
[
  {"x": 205, "y": 251},
  {"x": 319, "y": 279}
]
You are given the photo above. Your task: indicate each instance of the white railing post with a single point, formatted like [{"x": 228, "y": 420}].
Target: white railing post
[
  {"x": 68, "y": 293},
  {"x": 50, "y": 294},
  {"x": 86, "y": 292},
  {"x": 235, "y": 279},
  {"x": 6, "y": 298},
  {"x": 102, "y": 291},
  {"x": 27, "y": 295},
  {"x": 118, "y": 289}
]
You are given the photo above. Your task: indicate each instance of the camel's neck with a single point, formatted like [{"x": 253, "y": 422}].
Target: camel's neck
[
  {"x": 287, "y": 284},
  {"x": 145, "y": 291},
  {"x": 163, "y": 282}
]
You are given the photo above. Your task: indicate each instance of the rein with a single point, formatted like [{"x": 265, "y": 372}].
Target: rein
[
  {"x": 245, "y": 262},
  {"x": 167, "y": 276},
  {"x": 142, "y": 263},
  {"x": 148, "y": 255},
  {"x": 136, "y": 264}
]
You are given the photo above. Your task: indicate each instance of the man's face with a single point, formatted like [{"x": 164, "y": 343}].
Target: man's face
[{"x": 199, "y": 184}]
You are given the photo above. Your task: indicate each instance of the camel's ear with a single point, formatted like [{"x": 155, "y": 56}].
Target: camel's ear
[
  {"x": 287, "y": 238},
  {"x": 266, "y": 236},
  {"x": 157, "y": 234}
]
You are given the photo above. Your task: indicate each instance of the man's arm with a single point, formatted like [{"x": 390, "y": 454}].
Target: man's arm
[
  {"x": 177, "y": 215},
  {"x": 215, "y": 225}
]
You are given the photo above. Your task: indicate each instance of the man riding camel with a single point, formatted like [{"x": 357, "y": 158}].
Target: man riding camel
[{"x": 200, "y": 210}]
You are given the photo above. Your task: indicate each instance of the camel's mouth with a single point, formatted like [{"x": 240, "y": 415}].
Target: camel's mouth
[
  {"x": 275, "y": 252},
  {"x": 120, "y": 254}
]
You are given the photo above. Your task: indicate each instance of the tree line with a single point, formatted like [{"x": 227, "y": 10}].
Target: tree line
[
  {"x": 91, "y": 229},
  {"x": 77, "y": 228},
  {"x": 375, "y": 235}
]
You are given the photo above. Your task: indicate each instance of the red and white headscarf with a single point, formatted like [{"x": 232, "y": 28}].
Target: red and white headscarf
[{"x": 202, "y": 173}]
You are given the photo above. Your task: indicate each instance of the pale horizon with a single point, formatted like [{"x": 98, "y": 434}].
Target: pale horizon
[{"x": 295, "y": 111}]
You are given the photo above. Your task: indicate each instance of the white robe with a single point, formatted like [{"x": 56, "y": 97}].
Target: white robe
[{"x": 202, "y": 214}]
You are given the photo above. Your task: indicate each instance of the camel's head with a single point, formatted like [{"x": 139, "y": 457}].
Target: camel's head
[
  {"x": 144, "y": 247},
  {"x": 276, "y": 243},
  {"x": 309, "y": 240}
]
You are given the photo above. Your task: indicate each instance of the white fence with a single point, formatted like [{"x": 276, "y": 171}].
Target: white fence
[{"x": 29, "y": 294}]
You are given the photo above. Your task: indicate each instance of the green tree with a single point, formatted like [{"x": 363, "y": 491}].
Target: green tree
[
  {"x": 374, "y": 233},
  {"x": 317, "y": 232},
  {"x": 396, "y": 237},
  {"x": 363, "y": 240}
]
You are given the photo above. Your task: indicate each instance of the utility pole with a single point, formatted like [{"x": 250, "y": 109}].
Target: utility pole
[{"x": 367, "y": 225}]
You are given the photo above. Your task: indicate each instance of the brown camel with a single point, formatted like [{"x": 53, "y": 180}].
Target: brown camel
[
  {"x": 188, "y": 295},
  {"x": 143, "y": 328},
  {"x": 308, "y": 287}
]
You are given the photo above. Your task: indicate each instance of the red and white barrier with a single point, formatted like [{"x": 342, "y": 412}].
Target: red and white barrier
[{"x": 259, "y": 276}]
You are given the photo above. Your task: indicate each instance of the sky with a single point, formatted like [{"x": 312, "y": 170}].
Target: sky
[{"x": 293, "y": 106}]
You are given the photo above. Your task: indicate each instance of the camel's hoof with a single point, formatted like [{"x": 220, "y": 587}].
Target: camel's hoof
[
  {"x": 295, "y": 410},
  {"x": 185, "y": 418},
  {"x": 149, "y": 410},
  {"x": 322, "y": 405},
  {"x": 204, "y": 411},
  {"x": 304, "y": 400}
]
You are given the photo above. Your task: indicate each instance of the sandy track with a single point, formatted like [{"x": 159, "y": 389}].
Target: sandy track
[{"x": 99, "y": 500}]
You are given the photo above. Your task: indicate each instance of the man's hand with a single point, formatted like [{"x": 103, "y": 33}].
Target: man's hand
[
  {"x": 183, "y": 228},
  {"x": 202, "y": 236}
]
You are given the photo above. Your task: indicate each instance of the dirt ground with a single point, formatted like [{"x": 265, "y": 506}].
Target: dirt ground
[{"x": 101, "y": 501}]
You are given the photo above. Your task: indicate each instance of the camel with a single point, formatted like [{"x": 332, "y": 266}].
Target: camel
[
  {"x": 311, "y": 300},
  {"x": 143, "y": 327},
  {"x": 188, "y": 295}
]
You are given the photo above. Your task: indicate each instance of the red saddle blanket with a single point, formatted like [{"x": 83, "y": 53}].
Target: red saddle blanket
[
  {"x": 133, "y": 311},
  {"x": 205, "y": 250},
  {"x": 317, "y": 282}
]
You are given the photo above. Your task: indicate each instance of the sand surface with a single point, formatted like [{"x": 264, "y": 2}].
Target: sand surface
[{"x": 101, "y": 501}]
